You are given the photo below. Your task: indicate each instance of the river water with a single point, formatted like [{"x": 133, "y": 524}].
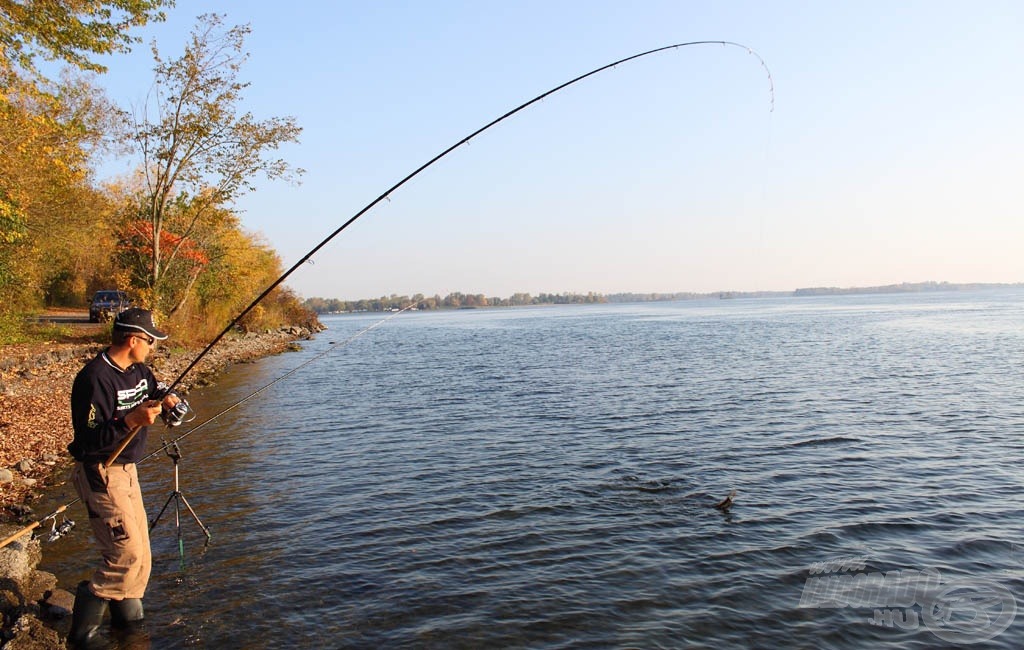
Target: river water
[{"x": 544, "y": 478}]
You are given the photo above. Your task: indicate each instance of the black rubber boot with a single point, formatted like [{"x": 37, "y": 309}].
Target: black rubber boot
[
  {"x": 127, "y": 621},
  {"x": 86, "y": 619},
  {"x": 126, "y": 614}
]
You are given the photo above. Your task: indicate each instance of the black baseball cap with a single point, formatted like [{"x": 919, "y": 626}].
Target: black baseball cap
[{"x": 138, "y": 320}]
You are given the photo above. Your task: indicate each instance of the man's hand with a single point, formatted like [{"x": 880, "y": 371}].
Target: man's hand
[{"x": 143, "y": 415}]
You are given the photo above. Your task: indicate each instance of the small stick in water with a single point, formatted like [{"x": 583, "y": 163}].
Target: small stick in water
[{"x": 726, "y": 503}]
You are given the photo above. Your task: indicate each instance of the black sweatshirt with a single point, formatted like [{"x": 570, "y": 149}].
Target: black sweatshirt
[{"x": 101, "y": 397}]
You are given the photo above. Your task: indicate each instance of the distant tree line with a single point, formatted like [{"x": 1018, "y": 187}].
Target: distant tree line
[
  {"x": 469, "y": 301},
  {"x": 456, "y": 300},
  {"x": 904, "y": 287}
]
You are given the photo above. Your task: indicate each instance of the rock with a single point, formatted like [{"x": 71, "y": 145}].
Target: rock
[
  {"x": 6, "y": 476},
  {"x": 67, "y": 354},
  {"x": 58, "y": 603},
  {"x": 9, "y": 600},
  {"x": 22, "y": 590},
  {"x": 40, "y": 584},
  {"x": 30, "y": 634},
  {"x": 24, "y": 466},
  {"x": 29, "y": 481},
  {"x": 19, "y": 559},
  {"x": 20, "y": 510}
]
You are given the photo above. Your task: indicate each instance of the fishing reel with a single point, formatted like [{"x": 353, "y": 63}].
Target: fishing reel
[
  {"x": 60, "y": 530},
  {"x": 174, "y": 416}
]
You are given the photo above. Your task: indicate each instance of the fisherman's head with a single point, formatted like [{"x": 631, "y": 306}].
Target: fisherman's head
[{"x": 136, "y": 333}]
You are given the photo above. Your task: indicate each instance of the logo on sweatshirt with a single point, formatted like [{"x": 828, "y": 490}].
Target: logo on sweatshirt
[{"x": 129, "y": 398}]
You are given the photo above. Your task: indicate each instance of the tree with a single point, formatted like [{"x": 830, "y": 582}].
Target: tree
[
  {"x": 49, "y": 211},
  {"x": 199, "y": 145},
  {"x": 70, "y": 30}
]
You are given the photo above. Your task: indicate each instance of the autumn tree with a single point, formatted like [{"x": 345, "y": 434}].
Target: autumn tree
[
  {"x": 240, "y": 265},
  {"x": 135, "y": 248},
  {"x": 199, "y": 150},
  {"x": 72, "y": 31},
  {"x": 50, "y": 212}
]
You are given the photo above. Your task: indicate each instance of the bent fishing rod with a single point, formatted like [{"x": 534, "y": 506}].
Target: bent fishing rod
[
  {"x": 386, "y": 194},
  {"x": 59, "y": 530}
]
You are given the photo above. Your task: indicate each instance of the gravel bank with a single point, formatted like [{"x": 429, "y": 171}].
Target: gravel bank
[
  {"x": 35, "y": 428},
  {"x": 35, "y": 395}
]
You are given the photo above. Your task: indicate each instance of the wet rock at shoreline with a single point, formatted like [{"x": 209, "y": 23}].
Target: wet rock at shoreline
[
  {"x": 21, "y": 510},
  {"x": 29, "y": 633},
  {"x": 18, "y": 559},
  {"x": 28, "y": 597},
  {"x": 58, "y": 603},
  {"x": 35, "y": 613}
]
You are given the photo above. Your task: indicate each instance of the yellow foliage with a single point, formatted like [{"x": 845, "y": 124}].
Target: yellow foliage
[{"x": 49, "y": 213}]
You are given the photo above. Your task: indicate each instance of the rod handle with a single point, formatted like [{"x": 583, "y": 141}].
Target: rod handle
[
  {"x": 26, "y": 529},
  {"x": 120, "y": 448},
  {"x": 32, "y": 526}
]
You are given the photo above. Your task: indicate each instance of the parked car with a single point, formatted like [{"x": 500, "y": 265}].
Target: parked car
[{"x": 107, "y": 304}]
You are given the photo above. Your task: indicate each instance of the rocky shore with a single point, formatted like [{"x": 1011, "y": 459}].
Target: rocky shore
[{"x": 35, "y": 428}]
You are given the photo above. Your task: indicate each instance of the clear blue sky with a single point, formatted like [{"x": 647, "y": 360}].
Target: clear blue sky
[{"x": 894, "y": 152}]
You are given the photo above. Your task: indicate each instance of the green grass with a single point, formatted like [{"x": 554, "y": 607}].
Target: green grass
[
  {"x": 13, "y": 329},
  {"x": 24, "y": 328}
]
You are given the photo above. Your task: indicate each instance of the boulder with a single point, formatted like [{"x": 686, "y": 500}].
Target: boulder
[
  {"x": 40, "y": 584},
  {"x": 29, "y": 633},
  {"x": 58, "y": 603},
  {"x": 9, "y": 601},
  {"x": 19, "y": 559},
  {"x": 22, "y": 589},
  {"x": 19, "y": 510}
]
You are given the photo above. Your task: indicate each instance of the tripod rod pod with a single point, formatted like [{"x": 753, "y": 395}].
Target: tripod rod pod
[{"x": 174, "y": 453}]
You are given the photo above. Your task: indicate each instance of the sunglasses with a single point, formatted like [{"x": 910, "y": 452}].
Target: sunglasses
[{"x": 148, "y": 339}]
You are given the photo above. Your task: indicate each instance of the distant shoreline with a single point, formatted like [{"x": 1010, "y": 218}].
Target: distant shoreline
[{"x": 475, "y": 301}]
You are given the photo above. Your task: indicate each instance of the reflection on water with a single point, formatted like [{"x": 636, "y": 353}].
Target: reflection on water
[{"x": 545, "y": 477}]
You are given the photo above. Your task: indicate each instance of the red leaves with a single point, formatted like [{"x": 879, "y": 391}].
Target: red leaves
[{"x": 139, "y": 235}]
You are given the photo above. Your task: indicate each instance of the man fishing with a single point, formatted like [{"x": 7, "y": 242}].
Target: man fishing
[{"x": 113, "y": 399}]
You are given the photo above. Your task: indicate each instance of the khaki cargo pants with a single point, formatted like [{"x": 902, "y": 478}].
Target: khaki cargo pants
[{"x": 114, "y": 500}]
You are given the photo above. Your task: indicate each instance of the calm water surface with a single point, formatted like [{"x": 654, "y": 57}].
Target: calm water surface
[{"x": 543, "y": 478}]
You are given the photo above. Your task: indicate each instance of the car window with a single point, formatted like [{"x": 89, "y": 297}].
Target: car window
[{"x": 110, "y": 295}]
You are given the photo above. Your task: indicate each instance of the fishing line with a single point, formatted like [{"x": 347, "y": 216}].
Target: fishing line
[
  {"x": 317, "y": 357},
  {"x": 59, "y": 530},
  {"x": 387, "y": 193}
]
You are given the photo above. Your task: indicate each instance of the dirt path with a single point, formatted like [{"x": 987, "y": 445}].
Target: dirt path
[{"x": 70, "y": 317}]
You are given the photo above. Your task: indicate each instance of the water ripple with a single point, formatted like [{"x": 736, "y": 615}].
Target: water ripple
[{"x": 545, "y": 478}]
